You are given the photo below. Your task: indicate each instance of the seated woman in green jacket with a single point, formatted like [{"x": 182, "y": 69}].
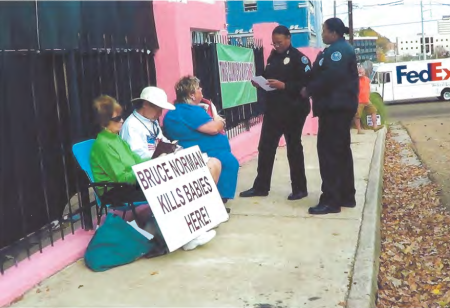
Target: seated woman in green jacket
[{"x": 112, "y": 159}]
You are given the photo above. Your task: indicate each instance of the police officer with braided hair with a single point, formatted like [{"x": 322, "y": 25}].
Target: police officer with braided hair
[
  {"x": 287, "y": 71},
  {"x": 334, "y": 90}
]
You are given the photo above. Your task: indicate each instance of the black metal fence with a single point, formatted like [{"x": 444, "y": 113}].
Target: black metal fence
[
  {"x": 45, "y": 107},
  {"x": 204, "y": 52}
]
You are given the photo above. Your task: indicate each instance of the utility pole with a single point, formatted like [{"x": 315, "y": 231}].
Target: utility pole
[
  {"x": 423, "y": 35},
  {"x": 350, "y": 21},
  {"x": 334, "y": 8}
]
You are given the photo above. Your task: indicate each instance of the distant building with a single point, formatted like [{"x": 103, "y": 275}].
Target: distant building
[
  {"x": 365, "y": 48},
  {"x": 303, "y": 18},
  {"x": 412, "y": 45},
  {"x": 444, "y": 26}
]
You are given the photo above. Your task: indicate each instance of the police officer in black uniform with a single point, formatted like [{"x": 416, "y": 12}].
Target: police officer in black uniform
[
  {"x": 335, "y": 89},
  {"x": 287, "y": 70}
]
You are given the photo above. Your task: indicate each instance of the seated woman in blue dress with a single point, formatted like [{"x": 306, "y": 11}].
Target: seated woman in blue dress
[{"x": 191, "y": 125}]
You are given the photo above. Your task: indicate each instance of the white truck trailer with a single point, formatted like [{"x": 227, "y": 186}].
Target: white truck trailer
[{"x": 412, "y": 80}]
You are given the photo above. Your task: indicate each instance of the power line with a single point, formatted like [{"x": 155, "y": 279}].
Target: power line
[{"x": 399, "y": 24}]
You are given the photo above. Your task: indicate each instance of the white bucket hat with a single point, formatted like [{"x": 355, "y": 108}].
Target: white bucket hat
[{"x": 155, "y": 96}]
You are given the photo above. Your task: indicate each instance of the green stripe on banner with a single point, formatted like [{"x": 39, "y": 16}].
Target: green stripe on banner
[{"x": 236, "y": 68}]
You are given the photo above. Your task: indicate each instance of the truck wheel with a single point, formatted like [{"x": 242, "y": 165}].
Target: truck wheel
[{"x": 446, "y": 94}]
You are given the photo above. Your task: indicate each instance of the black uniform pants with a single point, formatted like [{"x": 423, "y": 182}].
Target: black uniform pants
[
  {"x": 335, "y": 159},
  {"x": 289, "y": 124}
]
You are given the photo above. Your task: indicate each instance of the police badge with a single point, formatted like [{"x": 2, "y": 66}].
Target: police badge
[
  {"x": 336, "y": 56},
  {"x": 286, "y": 60}
]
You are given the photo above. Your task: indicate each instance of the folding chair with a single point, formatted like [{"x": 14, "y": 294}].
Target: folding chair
[{"x": 81, "y": 152}]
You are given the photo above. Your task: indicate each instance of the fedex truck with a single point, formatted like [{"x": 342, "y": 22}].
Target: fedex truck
[{"x": 412, "y": 80}]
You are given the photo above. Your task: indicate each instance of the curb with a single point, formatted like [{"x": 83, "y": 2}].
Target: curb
[{"x": 364, "y": 279}]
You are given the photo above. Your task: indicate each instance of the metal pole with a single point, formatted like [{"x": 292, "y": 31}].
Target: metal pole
[
  {"x": 423, "y": 35},
  {"x": 350, "y": 21},
  {"x": 334, "y": 8}
]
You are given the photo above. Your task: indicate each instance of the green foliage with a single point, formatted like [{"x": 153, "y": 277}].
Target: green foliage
[
  {"x": 382, "y": 41},
  {"x": 377, "y": 101}
]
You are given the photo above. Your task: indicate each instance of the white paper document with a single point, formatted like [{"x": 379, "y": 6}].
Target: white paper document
[
  {"x": 262, "y": 82},
  {"x": 133, "y": 223}
]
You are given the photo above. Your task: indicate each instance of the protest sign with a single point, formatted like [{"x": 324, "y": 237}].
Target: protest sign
[
  {"x": 182, "y": 195},
  {"x": 236, "y": 69}
]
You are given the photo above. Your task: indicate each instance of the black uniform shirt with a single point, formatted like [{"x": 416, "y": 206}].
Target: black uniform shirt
[
  {"x": 335, "y": 83},
  {"x": 294, "y": 69}
]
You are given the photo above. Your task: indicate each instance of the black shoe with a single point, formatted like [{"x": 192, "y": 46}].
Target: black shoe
[
  {"x": 224, "y": 200},
  {"x": 322, "y": 209},
  {"x": 298, "y": 195},
  {"x": 228, "y": 210},
  {"x": 350, "y": 204},
  {"x": 253, "y": 193}
]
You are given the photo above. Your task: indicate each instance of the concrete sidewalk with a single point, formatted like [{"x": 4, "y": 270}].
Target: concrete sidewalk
[{"x": 271, "y": 253}]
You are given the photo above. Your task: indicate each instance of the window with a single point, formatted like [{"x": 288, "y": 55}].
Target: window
[
  {"x": 279, "y": 5},
  {"x": 250, "y": 6}
]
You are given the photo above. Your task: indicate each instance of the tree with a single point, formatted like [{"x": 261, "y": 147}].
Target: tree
[
  {"x": 407, "y": 58},
  {"x": 382, "y": 41},
  {"x": 381, "y": 56},
  {"x": 440, "y": 52}
]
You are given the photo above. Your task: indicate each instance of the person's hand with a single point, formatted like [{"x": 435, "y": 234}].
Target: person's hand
[
  {"x": 254, "y": 84},
  {"x": 276, "y": 84},
  {"x": 219, "y": 118},
  {"x": 304, "y": 93}
]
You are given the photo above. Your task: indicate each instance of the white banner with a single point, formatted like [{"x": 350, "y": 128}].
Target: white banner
[
  {"x": 369, "y": 120},
  {"x": 182, "y": 195}
]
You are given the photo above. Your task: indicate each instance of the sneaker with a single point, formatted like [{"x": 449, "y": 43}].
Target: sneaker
[{"x": 200, "y": 241}]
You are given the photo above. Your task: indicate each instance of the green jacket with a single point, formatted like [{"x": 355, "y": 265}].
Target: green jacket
[{"x": 111, "y": 159}]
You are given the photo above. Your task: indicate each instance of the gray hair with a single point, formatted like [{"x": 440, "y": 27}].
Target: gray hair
[{"x": 185, "y": 87}]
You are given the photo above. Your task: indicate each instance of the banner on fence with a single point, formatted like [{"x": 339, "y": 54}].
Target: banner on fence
[
  {"x": 182, "y": 195},
  {"x": 236, "y": 68}
]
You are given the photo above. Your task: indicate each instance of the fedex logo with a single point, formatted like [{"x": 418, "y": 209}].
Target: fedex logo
[{"x": 431, "y": 74}]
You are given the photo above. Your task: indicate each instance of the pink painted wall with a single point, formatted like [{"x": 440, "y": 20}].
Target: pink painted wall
[
  {"x": 174, "y": 23},
  {"x": 263, "y": 31}
]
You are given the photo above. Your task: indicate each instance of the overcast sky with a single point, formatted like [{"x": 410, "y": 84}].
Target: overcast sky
[{"x": 368, "y": 13}]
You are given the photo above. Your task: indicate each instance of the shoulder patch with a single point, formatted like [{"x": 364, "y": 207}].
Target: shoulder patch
[
  {"x": 321, "y": 62},
  {"x": 304, "y": 60},
  {"x": 336, "y": 56}
]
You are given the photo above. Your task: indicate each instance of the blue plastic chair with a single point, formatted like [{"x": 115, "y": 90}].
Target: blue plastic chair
[{"x": 81, "y": 152}]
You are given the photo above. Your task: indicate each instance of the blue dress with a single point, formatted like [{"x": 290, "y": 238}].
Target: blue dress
[{"x": 182, "y": 123}]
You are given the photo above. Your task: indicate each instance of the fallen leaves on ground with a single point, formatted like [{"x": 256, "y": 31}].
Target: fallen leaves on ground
[{"x": 415, "y": 237}]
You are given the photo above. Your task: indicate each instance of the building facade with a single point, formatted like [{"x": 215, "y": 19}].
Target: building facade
[
  {"x": 303, "y": 18},
  {"x": 412, "y": 45},
  {"x": 444, "y": 26},
  {"x": 366, "y": 48}
]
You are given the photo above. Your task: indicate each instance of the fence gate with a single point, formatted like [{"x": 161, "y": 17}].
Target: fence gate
[
  {"x": 47, "y": 87},
  {"x": 204, "y": 52}
]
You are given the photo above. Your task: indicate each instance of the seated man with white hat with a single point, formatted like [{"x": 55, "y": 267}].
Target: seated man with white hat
[{"x": 141, "y": 130}]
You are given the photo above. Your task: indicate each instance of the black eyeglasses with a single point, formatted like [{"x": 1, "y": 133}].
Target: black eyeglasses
[{"x": 117, "y": 119}]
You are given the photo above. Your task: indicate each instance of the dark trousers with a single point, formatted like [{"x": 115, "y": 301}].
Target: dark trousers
[
  {"x": 289, "y": 124},
  {"x": 335, "y": 159}
]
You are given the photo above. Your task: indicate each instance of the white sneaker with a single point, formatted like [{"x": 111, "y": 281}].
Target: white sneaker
[{"x": 201, "y": 240}]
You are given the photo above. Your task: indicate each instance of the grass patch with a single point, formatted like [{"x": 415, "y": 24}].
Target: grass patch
[{"x": 377, "y": 101}]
